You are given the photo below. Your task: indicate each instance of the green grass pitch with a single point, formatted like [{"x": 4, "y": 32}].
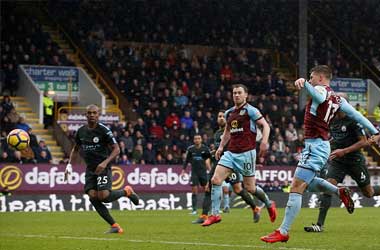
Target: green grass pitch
[{"x": 173, "y": 230}]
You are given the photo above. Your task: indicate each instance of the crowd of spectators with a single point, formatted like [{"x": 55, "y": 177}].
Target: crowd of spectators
[
  {"x": 338, "y": 31},
  {"x": 158, "y": 139},
  {"x": 10, "y": 119},
  {"x": 176, "y": 92},
  {"x": 24, "y": 42},
  {"x": 218, "y": 23},
  {"x": 244, "y": 24}
]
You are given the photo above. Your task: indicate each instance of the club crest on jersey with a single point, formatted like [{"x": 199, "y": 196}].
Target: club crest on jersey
[
  {"x": 242, "y": 112},
  {"x": 234, "y": 124},
  {"x": 235, "y": 127},
  {"x": 95, "y": 139},
  {"x": 343, "y": 128}
]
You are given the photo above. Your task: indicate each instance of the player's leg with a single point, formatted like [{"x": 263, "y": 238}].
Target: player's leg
[
  {"x": 194, "y": 192},
  {"x": 90, "y": 188},
  {"x": 206, "y": 206},
  {"x": 226, "y": 197},
  {"x": 294, "y": 203},
  {"x": 104, "y": 183},
  {"x": 236, "y": 180},
  {"x": 243, "y": 193},
  {"x": 344, "y": 193},
  {"x": 360, "y": 174},
  {"x": 104, "y": 212},
  {"x": 100, "y": 207},
  {"x": 221, "y": 173},
  {"x": 370, "y": 191},
  {"x": 314, "y": 157},
  {"x": 324, "y": 206},
  {"x": 250, "y": 184},
  {"x": 203, "y": 180},
  {"x": 301, "y": 178},
  {"x": 335, "y": 174},
  {"x": 325, "y": 203},
  {"x": 246, "y": 164},
  {"x": 98, "y": 188}
]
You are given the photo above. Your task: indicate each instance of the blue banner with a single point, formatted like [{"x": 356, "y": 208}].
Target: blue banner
[
  {"x": 52, "y": 74},
  {"x": 347, "y": 85}
]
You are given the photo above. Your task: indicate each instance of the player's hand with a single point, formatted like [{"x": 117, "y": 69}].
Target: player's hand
[
  {"x": 100, "y": 168},
  {"x": 300, "y": 83},
  {"x": 207, "y": 187},
  {"x": 68, "y": 171},
  {"x": 263, "y": 149},
  {"x": 337, "y": 153},
  {"x": 182, "y": 172},
  {"x": 218, "y": 153},
  {"x": 375, "y": 139}
]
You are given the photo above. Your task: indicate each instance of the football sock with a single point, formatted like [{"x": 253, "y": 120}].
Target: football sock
[
  {"x": 321, "y": 185},
  {"x": 376, "y": 190},
  {"x": 114, "y": 195},
  {"x": 324, "y": 206},
  {"x": 262, "y": 196},
  {"x": 247, "y": 198},
  {"x": 102, "y": 211},
  {"x": 291, "y": 211},
  {"x": 216, "y": 192},
  {"x": 194, "y": 201},
  {"x": 226, "y": 200},
  {"x": 206, "y": 203}
]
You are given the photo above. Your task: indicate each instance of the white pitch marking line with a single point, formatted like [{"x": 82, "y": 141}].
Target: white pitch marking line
[{"x": 157, "y": 242}]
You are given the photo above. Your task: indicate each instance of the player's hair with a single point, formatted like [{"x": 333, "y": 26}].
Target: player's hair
[
  {"x": 197, "y": 134},
  {"x": 221, "y": 110},
  {"x": 323, "y": 70},
  {"x": 239, "y": 85},
  {"x": 92, "y": 106}
]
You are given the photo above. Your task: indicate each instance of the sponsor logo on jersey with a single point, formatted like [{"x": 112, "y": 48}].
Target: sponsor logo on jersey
[
  {"x": 234, "y": 130},
  {"x": 343, "y": 128}
]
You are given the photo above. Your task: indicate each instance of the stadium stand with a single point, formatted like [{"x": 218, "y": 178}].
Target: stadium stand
[
  {"x": 175, "y": 81},
  {"x": 24, "y": 42},
  {"x": 168, "y": 79}
]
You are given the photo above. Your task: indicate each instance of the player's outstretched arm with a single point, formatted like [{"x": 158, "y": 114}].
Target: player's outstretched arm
[
  {"x": 318, "y": 93},
  {"x": 69, "y": 167},
  {"x": 361, "y": 143},
  {"x": 357, "y": 116}
]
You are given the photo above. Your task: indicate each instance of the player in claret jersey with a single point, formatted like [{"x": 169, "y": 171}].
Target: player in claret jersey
[
  {"x": 347, "y": 138},
  {"x": 240, "y": 157},
  {"x": 319, "y": 111}
]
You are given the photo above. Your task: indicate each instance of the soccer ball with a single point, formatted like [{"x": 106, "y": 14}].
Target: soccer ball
[{"x": 18, "y": 139}]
